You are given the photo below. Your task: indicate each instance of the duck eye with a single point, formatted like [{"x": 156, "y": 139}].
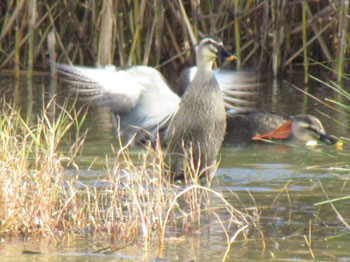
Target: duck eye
[
  {"x": 213, "y": 49},
  {"x": 313, "y": 130}
]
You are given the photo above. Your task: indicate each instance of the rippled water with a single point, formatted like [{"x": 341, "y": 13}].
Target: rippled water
[{"x": 282, "y": 183}]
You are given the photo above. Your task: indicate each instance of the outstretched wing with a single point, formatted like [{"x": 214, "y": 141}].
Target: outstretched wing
[
  {"x": 139, "y": 96},
  {"x": 103, "y": 86}
]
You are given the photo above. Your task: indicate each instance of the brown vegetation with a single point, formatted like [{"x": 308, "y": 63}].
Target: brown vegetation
[
  {"x": 130, "y": 202},
  {"x": 271, "y": 35}
]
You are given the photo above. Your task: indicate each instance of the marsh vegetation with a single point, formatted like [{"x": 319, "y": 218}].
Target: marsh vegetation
[
  {"x": 43, "y": 188},
  {"x": 273, "y": 36}
]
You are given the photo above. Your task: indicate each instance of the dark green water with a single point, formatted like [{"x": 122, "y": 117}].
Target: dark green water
[{"x": 282, "y": 183}]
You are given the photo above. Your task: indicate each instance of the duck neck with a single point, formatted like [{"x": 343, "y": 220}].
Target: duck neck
[{"x": 205, "y": 66}]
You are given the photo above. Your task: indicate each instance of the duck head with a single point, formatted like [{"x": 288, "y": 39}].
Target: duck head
[
  {"x": 209, "y": 49},
  {"x": 309, "y": 129},
  {"x": 305, "y": 129}
]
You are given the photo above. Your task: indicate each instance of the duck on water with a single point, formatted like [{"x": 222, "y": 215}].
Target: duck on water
[
  {"x": 247, "y": 125},
  {"x": 252, "y": 126},
  {"x": 143, "y": 104},
  {"x": 140, "y": 97}
]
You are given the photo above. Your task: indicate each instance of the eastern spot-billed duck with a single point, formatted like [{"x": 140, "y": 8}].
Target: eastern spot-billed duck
[
  {"x": 258, "y": 125},
  {"x": 198, "y": 127},
  {"x": 142, "y": 101}
]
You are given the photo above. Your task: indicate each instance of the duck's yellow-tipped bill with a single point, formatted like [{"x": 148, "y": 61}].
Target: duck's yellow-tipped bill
[
  {"x": 339, "y": 145},
  {"x": 231, "y": 58}
]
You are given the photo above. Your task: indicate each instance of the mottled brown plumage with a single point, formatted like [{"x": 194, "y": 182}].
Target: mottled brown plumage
[
  {"x": 247, "y": 127},
  {"x": 198, "y": 127},
  {"x": 142, "y": 102}
]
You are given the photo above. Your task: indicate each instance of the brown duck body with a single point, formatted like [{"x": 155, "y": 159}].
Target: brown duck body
[
  {"x": 246, "y": 127},
  {"x": 242, "y": 127},
  {"x": 144, "y": 106},
  {"x": 198, "y": 127}
]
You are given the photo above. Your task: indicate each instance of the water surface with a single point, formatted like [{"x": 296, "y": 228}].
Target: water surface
[{"x": 282, "y": 183}]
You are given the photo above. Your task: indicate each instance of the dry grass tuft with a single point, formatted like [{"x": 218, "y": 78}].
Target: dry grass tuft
[
  {"x": 134, "y": 200},
  {"x": 32, "y": 178}
]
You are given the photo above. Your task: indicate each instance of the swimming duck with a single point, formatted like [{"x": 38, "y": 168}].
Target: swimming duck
[
  {"x": 143, "y": 102},
  {"x": 253, "y": 126}
]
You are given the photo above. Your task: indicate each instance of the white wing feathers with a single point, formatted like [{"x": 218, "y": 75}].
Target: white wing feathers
[{"x": 141, "y": 97}]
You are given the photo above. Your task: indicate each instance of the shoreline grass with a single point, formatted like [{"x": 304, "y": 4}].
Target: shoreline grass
[
  {"x": 130, "y": 203},
  {"x": 32, "y": 174}
]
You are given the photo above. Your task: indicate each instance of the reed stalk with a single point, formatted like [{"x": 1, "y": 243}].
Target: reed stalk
[
  {"x": 148, "y": 45},
  {"x": 158, "y": 25},
  {"x": 31, "y": 42},
  {"x": 187, "y": 23},
  {"x": 306, "y": 60},
  {"x": 320, "y": 38},
  {"x": 121, "y": 39},
  {"x": 29, "y": 99},
  {"x": 134, "y": 54},
  {"x": 18, "y": 37},
  {"x": 124, "y": 33},
  {"x": 105, "y": 43},
  {"x": 276, "y": 36},
  {"x": 51, "y": 45},
  {"x": 343, "y": 38},
  {"x": 237, "y": 34},
  {"x": 196, "y": 12},
  {"x": 309, "y": 42}
]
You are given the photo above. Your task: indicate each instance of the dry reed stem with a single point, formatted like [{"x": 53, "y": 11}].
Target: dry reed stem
[
  {"x": 339, "y": 216},
  {"x": 257, "y": 221},
  {"x": 10, "y": 23},
  {"x": 315, "y": 98},
  {"x": 320, "y": 39},
  {"x": 176, "y": 27},
  {"x": 309, "y": 246},
  {"x": 343, "y": 41},
  {"x": 237, "y": 35},
  {"x": 105, "y": 44},
  {"x": 232, "y": 240},
  {"x": 191, "y": 188},
  {"x": 306, "y": 60}
]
